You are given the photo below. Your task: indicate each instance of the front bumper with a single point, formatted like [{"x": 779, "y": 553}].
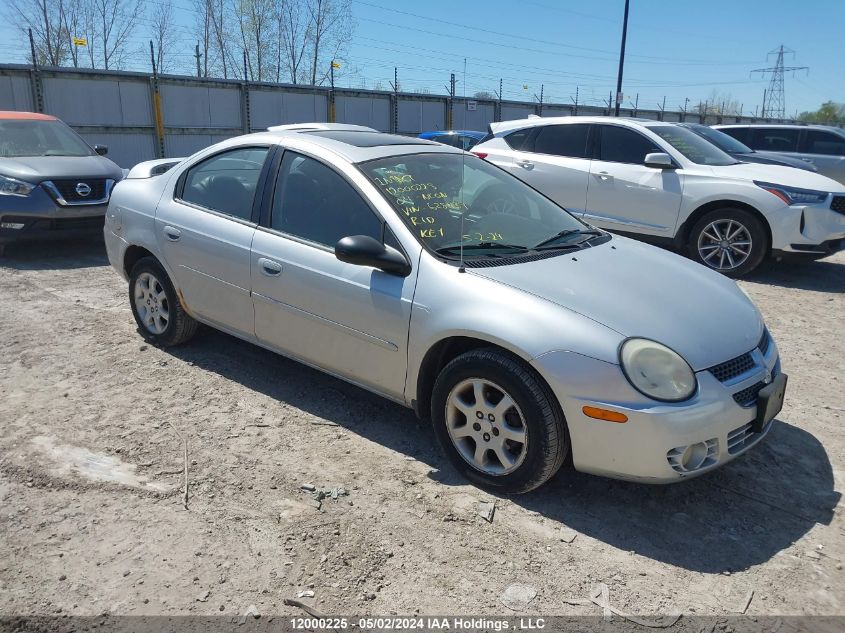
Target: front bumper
[
  {"x": 646, "y": 447},
  {"x": 39, "y": 216},
  {"x": 814, "y": 229}
]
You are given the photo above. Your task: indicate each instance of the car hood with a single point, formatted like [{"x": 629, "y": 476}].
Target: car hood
[
  {"x": 775, "y": 159},
  {"x": 37, "y": 168},
  {"x": 641, "y": 290},
  {"x": 779, "y": 175}
]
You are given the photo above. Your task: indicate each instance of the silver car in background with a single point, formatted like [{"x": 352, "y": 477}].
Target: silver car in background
[
  {"x": 822, "y": 146},
  {"x": 52, "y": 183},
  {"x": 436, "y": 279}
]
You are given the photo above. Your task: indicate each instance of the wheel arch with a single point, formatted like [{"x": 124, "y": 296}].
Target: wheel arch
[
  {"x": 133, "y": 254},
  {"x": 683, "y": 235},
  {"x": 444, "y": 351}
]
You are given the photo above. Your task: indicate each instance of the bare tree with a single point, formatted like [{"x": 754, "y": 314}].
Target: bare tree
[
  {"x": 203, "y": 31},
  {"x": 292, "y": 32},
  {"x": 330, "y": 27},
  {"x": 212, "y": 29},
  {"x": 116, "y": 20},
  {"x": 72, "y": 17},
  {"x": 163, "y": 34},
  {"x": 48, "y": 33},
  {"x": 255, "y": 21}
]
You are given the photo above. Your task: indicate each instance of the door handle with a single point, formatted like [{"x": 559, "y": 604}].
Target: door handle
[
  {"x": 172, "y": 233},
  {"x": 604, "y": 176},
  {"x": 269, "y": 267},
  {"x": 525, "y": 164}
]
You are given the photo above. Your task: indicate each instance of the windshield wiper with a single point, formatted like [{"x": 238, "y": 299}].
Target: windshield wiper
[
  {"x": 566, "y": 233},
  {"x": 456, "y": 248}
]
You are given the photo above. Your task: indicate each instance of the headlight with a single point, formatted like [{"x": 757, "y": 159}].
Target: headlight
[
  {"x": 14, "y": 187},
  {"x": 791, "y": 195},
  {"x": 656, "y": 371}
]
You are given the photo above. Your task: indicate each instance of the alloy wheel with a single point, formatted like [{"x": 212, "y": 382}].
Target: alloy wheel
[
  {"x": 724, "y": 244},
  {"x": 151, "y": 303},
  {"x": 486, "y": 426}
]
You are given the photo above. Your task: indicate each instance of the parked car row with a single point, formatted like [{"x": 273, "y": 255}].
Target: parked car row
[
  {"x": 432, "y": 277},
  {"x": 671, "y": 185},
  {"x": 481, "y": 289}
]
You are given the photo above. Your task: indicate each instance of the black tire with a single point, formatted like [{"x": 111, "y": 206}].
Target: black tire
[
  {"x": 180, "y": 326},
  {"x": 547, "y": 437},
  {"x": 752, "y": 226}
]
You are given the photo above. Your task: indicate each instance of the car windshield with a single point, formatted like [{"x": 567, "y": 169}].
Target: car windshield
[
  {"x": 20, "y": 138},
  {"x": 721, "y": 140},
  {"x": 451, "y": 199},
  {"x": 691, "y": 145}
]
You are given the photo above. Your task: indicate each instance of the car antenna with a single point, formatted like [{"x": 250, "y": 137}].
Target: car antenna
[{"x": 461, "y": 268}]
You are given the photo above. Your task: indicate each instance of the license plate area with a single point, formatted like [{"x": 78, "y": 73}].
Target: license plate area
[{"x": 769, "y": 402}]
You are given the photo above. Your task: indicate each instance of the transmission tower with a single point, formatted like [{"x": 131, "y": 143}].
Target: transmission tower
[{"x": 774, "y": 100}]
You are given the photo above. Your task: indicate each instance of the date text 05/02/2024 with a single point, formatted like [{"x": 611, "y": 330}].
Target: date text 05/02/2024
[{"x": 455, "y": 623}]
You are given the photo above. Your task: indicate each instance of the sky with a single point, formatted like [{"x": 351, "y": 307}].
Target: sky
[{"x": 677, "y": 50}]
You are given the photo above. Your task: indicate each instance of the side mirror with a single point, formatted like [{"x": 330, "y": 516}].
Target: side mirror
[
  {"x": 102, "y": 150},
  {"x": 363, "y": 250},
  {"x": 659, "y": 160}
]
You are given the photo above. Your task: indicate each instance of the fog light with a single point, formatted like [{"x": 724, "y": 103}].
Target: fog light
[
  {"x": 12, "y": 225},
  {"x": 694, "y": 456}
]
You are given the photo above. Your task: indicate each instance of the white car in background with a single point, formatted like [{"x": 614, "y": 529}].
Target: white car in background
[{"x": 663, "y": 183}]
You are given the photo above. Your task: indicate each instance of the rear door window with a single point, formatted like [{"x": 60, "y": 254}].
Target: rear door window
[
  {"x": 226, "y": 182},
  {"x": 823, "y": 142},
  {"x": 739, "y": 133},
  {"x": 562, "y": 140},
  {"x": 519, "y": 140},
  {"x": 772, "y": 139}
]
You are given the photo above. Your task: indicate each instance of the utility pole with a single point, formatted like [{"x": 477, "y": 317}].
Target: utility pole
[
  {"x": 394, "y": 118},
  {"x": 540, "y": 101},
  {"x": 157, "y": 113},
  {"x": 332, "y": 113},
  {"x": 197, "y": 55},
  {"x": 776, "y": 106},
  {"x": 621, "y": 59},
  {"x": 684, "y": 110},
  {"x": 575, "y": 101},
  {"x": 636, "y": 104},
  {"x": 497, "y": 114},
  {"x": 450, "y": 112}
]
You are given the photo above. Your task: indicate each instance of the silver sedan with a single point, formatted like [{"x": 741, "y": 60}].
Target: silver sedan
[{"x": 437, "y": 280}]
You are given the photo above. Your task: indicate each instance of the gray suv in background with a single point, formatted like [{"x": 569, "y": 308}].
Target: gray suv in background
[
  {"x": 820, "y": 145},
  {"x": 52, "y": 183}
]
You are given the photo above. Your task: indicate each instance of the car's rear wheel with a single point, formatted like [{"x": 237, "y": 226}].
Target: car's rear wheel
[
  {"x": 731, "y": 241},
  {"x": 159, "y": 313},
  {"x": 498, "y": 422}
]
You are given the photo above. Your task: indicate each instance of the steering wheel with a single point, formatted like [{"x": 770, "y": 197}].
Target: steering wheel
[{"x": 500, "y": 200}]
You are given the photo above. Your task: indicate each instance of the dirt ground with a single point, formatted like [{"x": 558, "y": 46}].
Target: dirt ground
[{"x": 92, "y": 521}]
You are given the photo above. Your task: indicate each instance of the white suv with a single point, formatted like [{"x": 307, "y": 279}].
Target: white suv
[{"x": 663, "y": 183}]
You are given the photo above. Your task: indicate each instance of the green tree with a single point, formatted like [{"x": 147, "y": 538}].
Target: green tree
[{"x": 829, "y": 112}]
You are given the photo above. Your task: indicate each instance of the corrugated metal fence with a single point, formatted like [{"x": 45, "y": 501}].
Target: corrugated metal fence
[{"x": 117, "y": 108}]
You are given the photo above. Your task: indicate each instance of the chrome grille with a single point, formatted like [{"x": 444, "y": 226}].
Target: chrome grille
[{"x": 68, "y": 189}]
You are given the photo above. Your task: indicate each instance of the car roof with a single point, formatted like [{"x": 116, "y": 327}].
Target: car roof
[
  {"x": 13, "y": 115},
  {"x": 784, "y": 126},
  {"x": 506, "y": 126},
  {"x": 354, "y": 146}
]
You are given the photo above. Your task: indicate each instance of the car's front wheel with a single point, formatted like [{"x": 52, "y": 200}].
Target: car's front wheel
[
  {"x": 498, "y": 422},
  {"x": 159, "y": 313},
  {"x": 732, "y": 241}
]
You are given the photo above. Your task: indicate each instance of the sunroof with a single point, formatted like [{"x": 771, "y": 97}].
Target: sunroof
[{"x": 367, "y": 139}]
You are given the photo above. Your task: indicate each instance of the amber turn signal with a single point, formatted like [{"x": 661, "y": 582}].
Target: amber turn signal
[{"x": 604, "y": 414}]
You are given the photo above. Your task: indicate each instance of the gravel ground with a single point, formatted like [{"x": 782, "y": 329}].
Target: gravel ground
[{"x": 91, "y": 468}]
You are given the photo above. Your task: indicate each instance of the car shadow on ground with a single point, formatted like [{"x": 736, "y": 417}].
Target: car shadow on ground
[
  {"x": 739, "y": 516},
  {"x": 87, "y": 252},
  {"x": 824, "y": 275}
]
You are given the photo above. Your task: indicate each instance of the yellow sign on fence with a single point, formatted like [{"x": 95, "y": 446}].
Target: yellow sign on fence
[{"x": 80, "y": 41}]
